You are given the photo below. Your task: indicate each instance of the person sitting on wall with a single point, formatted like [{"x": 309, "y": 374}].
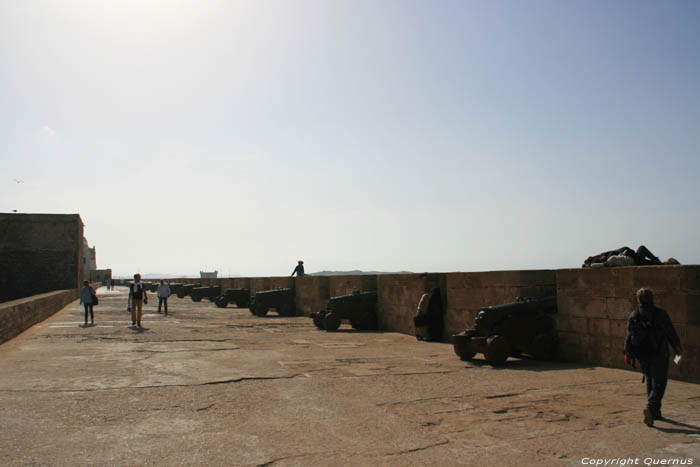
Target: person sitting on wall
[
  {"x": 299, "y": 270},
  {"x": 625, "y": 256}
]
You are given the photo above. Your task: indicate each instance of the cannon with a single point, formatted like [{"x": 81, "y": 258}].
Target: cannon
[
  {"x": 174, "y": 288},
  {"x": 153, "y": 286},
  {"x": 282, "y": 300},
  {"x": 522, "y": 327},
  {"x": 241, "y": 297},
  {"x": 210, "y": 292},
  {"x": 185, "y": 290},
  {"x": 358, "y": 308}
]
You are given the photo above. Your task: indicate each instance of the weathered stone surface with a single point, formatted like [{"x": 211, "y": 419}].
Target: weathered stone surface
[{"x": 209, "y": 386}]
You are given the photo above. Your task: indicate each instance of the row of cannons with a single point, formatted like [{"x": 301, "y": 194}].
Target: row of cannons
[{"x": 522, "y": 328}]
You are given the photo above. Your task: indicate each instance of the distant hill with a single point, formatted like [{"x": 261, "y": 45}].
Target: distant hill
[
  {"x": 156, "y": 275},
  {"x": 355, "y": 272}
]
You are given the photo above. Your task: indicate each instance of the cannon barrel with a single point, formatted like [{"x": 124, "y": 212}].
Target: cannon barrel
[{"x": 359, "y": 308}]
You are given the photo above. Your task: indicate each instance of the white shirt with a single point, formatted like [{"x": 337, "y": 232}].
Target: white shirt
[
  {"x": 163, "y": 290},
  {"x": 619, "y": 260}
]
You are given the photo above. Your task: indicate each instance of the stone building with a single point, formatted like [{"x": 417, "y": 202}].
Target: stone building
[
  {"x": 208, "y": 275},
  {"x": 89, "y": 259},
  {"x": 40, "y": 253}
]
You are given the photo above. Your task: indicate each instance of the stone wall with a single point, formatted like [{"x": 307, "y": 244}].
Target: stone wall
[
  {"x": 39, "y": 253},
  {"x": 16, "y": 316},
  {"x": 593, "y": 304},
  {"x": 467, "y": 292}
]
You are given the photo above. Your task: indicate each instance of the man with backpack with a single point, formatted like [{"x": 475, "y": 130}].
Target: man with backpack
[
  {"x": 649, "y": 333},
  {"x": 137, "y": 297}
]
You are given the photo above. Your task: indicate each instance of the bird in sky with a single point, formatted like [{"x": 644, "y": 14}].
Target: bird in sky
[{"x": 18, "y": 181}]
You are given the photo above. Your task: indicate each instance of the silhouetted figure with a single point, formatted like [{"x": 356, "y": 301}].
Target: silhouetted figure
[
  {"x": 625, "y": 256},
  {"x": 299, "y": 270},
  {"x": 649, "y": 333}
]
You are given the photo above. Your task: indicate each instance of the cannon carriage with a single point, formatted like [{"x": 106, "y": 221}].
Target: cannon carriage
[
  {"x": 282, "y": 300},
  {"x": 210, "y": 292},
  {"x": 185, "y": 290},
  {"x": 357, "y": 308},
  {"x": 241, "y": 297},
  {"x": 513, "y": 329}
]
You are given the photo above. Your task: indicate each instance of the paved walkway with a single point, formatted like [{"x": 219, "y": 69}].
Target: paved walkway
[{"x": 210, "y": 386}]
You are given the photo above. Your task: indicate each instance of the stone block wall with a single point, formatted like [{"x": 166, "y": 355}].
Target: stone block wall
[
  {"x": 594, "y": 304},
  {"x": 467, "y": 292},
  {"x": 16, "y": 316},
  {"x": 398, "y": 296},
  {"x": 39, "y": 253}
]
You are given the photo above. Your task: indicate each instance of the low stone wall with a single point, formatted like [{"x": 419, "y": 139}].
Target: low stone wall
[
  {"x": 17, "y": 316},
  {"x": 593, "y": 304}
]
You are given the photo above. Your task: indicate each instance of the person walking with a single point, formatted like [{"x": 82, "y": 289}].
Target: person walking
[
  {"x": 163, "y": 294},
  {"x": 649, "y": 333},
  {"x": 137, "y": 298},
  {"x": 87, "y": 298}
]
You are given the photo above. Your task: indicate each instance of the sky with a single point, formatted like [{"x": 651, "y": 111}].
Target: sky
[{"x": 242, "y": 136}]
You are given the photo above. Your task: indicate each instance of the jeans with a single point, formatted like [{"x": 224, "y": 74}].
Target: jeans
[
  {"x": 656, "y": 374},
  {"x": 644, "y": 257},
  {"x": 88, "y": 306},
  {"x": 163, "y": 301}
]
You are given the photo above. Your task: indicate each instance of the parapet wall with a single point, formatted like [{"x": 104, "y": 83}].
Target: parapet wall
[
  {"x": 593, "y": 304},
  {"x": 17, "y": 316}
]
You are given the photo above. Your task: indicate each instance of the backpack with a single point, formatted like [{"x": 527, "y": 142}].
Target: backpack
[
  {"x": 643, "y": 337},
  {"x": 95, "y": 301}
]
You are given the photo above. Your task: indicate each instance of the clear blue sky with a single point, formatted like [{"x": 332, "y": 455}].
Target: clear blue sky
[{"x": 375, "y": 135}]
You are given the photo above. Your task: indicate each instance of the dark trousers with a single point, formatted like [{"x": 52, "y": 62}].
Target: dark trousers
[
  {"x": 163, "y": 301},
  {"x": 644, "y": 257},
  {"x": 88, "y": 306},
  {"x": 656, "y": 374}
]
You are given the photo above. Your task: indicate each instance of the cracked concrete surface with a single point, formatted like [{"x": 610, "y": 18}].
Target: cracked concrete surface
[{"x": 210, "y": 386}]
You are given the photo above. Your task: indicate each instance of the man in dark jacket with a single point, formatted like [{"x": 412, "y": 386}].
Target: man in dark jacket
[
  {"x": 655, "y": 368},
  {"x": 299, "y": 270}
]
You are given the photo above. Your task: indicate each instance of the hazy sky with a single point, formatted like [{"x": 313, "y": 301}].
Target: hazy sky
[{"x": 375, "y": 135}]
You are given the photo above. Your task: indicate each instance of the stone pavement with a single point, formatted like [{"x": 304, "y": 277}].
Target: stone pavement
[{"x": 210, "y": 386}]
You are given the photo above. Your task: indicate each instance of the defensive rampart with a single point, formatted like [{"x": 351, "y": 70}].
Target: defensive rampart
[
  {"x": 593, "y": 304},
  {"x": 19, "y": 315},
  {"x": 39, "y": 253}
]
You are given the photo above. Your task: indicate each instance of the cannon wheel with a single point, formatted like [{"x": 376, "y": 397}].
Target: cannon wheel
[
  {"x": 259, "y": 310},
  {"x": 331, "y": 322},
  {"x": 243, "y": 303},
  {"x": 497, "y": 350},
  {"x": 461, "y": 343},
  {"x": 180, "y": 294},
  {"x": 542, "y": 347},
  {"x": 318, "y": 321},
  {"x": 221, "y": 302},
  {"x": 196, "y": 299}
]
